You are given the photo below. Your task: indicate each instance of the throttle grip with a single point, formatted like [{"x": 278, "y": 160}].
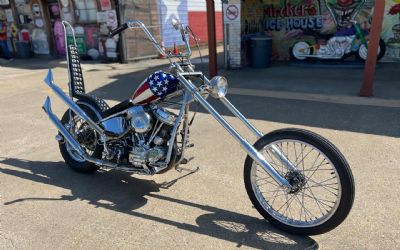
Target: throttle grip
[{"x": 118, "y": 30}]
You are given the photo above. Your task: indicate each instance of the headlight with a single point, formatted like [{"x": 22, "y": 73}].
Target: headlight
[{"x": 218, "y": 87}]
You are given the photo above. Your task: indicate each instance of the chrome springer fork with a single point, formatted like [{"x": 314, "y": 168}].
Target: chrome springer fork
[{"x": 251, "y": 151}]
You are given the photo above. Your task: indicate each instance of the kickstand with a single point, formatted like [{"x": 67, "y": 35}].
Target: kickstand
[{"x": 166, "y": 185}]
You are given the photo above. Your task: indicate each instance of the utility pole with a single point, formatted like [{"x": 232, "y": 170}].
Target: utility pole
[
  {"x": 212, "y": 44},
  {"x": 367, "y": 88}
]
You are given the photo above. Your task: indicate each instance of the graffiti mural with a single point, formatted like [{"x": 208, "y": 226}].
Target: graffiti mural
[
  {"x": 291, "y": 16},
  {"x": 291, "y": 21},
  {"x": 343, "y": 11},
  {"x": 392, "y": 29}
]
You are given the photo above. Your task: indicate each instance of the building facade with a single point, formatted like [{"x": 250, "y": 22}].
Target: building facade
[
  {"x": 290, "y": 21},
  {"x": 157, "y": 16},
  {"x": 39, "y": 22}
]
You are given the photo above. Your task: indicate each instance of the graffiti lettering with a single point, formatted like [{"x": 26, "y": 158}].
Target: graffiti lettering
[
  {"x": 273, "y": 24},
  {"x": 290, "y": 10},
  {"x": 292, "y": 23},
  {"x": 304, "y": 23}
]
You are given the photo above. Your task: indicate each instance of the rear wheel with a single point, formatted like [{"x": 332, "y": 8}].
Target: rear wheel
[
  {"x": 323, "y": 185},
  {"x": 300, "y": 50},
  {"x": 87, "y": 138}
]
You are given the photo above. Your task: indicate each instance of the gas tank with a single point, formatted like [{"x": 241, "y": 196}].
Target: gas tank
[{"x": 155, "y": 87}]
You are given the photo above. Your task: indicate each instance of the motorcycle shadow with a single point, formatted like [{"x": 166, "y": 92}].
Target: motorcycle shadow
[{"x": 120, "y": 192}]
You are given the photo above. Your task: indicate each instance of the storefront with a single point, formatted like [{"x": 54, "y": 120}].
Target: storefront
[
  {"x": 290, "y": 21},
  {"x": 39, "y": 22}
]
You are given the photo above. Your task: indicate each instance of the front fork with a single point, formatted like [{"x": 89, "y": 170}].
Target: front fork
[{"x": 251, "y": 151}]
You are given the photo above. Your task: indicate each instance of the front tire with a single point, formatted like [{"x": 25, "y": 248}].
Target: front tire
[
  {"x": 325, "y": 191},
  {"x": 88, "y": 143},
  {"x": 362, "y": 52}
]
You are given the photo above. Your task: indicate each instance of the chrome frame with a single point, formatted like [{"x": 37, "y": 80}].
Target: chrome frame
[
  {"x": 139, "y": 24},
  {"x": 251, "y": 151},
  {"x": 190, "y": 94}
]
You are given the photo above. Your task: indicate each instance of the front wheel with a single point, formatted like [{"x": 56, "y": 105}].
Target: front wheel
[
  {"x": 362, "y": 52},
  {"x": 323, "y": 192}
]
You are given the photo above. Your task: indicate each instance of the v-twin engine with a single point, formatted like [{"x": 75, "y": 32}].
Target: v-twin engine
[{"x": 144, "y": 132}]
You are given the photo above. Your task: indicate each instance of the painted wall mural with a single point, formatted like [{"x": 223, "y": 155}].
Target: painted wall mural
[
  {"x": 343, "y": 11},
  {"x": 289, "y": 21},
  {"x": 191, "y": 12}
]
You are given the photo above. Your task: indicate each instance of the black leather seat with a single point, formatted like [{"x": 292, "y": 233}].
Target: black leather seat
[{"x": 118, "y": 108}]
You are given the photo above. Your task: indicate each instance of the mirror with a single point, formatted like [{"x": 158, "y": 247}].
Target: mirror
[{"x": 175, "y": 23}]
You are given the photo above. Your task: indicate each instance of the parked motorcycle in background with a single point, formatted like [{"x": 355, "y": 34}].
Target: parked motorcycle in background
[
  {"x": 296, "y": 179},
  {"x": 344, "y": 43}
]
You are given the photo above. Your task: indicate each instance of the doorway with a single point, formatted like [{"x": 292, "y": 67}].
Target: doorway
[{"x": 56, "y": 31}]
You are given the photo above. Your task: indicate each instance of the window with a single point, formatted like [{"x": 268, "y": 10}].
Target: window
[{"x": 86, "y": 11}]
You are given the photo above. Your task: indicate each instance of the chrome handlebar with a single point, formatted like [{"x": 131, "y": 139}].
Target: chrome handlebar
[{"x": 139, "y": 24}]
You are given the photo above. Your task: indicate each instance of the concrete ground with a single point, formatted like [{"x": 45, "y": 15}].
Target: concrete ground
[{"x": 45, "y": 205}]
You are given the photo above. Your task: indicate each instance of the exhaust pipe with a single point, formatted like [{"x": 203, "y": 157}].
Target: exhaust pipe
[
  {"x": 71, "y": 104},
  {"x": 75, "y": 145},
  {"x": 54, "y": 119},
  {"x": 70, "y": 139}
]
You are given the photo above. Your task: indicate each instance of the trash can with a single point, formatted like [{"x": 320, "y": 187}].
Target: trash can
[
  {"x": 260, "y": 51},
  {"x": 23, "y": 49}
]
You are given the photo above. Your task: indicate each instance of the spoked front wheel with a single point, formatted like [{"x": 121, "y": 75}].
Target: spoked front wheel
[{"x": 323, "y": 185}]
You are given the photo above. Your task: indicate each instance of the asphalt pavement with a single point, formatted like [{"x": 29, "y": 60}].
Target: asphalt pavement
[{"x": 45, "y": 205}]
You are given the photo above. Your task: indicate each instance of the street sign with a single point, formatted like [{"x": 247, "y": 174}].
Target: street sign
[{"x": 231, "y": 13}]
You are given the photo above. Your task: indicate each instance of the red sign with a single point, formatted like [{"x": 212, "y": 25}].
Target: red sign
[{"x": 105, "y": 4}]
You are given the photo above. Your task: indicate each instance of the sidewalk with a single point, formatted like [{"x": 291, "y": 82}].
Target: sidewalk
[
  {"x": 322, "y": 84},
  {"x": 333, "y": 84},
  {"x": 217, "y": 212}
]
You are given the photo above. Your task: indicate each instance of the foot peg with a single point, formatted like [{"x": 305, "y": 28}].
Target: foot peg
[{"x": 186, "y": 161}]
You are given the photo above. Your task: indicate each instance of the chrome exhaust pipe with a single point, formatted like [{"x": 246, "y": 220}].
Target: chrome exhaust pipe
[
  {"x": 75, "y": 145},
  {"x": 54, "y": 119},
  {"x": 70, "y": 139},
  {"x": 71, "y": 104}
]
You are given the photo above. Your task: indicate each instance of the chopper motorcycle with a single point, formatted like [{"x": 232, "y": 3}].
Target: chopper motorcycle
[
  {"x": 296, "y": 179},
  {"x": 344, "y": 43}
]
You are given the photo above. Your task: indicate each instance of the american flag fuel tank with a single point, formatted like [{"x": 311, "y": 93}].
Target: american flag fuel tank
[{"x": 154, "y": 87}]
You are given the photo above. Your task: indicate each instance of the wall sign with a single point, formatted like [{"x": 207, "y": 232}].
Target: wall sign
[
  {"x": 4, "y": 2},
  {"x": 36, "y": 9},
  {"x": 80, "y": 43},
  {"x": 9, "y": 15},
  {"x": 112, "y": 18},
  {"x": 39, "y": 22},
  {"x": 64, "y": 3},
  {"x": 302, "y": 16},
  {"x": 231, "y": 13},
  {"x": 105, "y": 4}
]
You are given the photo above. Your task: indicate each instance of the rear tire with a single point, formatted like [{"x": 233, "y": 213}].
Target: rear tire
[
  {"x": 288, "y": 220},
  {"x": 72, "y": 159},
  {"x": 300, "y": 50}
]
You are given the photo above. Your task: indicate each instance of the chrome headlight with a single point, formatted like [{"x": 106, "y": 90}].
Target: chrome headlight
[{"x": 218, "y": 87}]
